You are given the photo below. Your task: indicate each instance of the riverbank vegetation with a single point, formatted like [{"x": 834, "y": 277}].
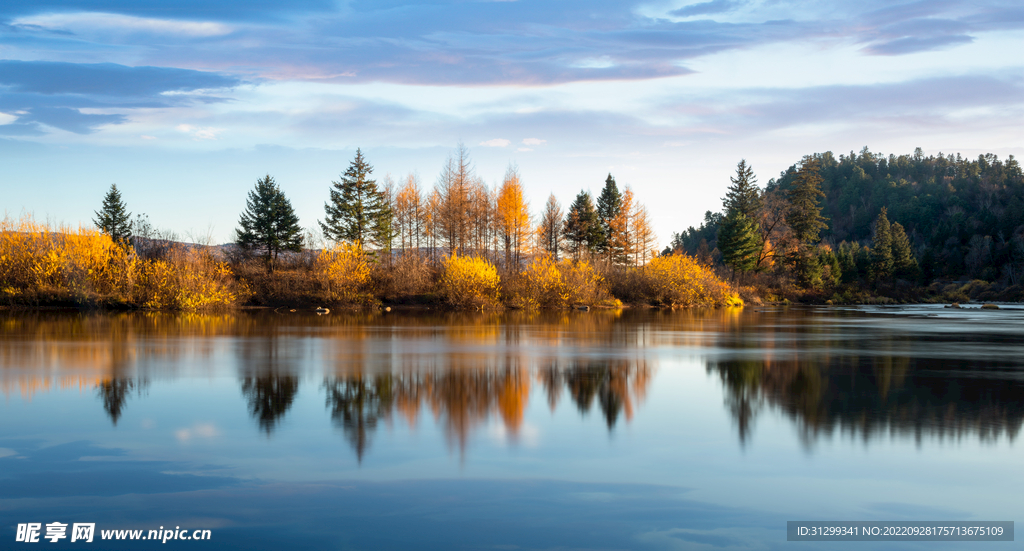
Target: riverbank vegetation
[
  {"x": 866, "y": 227},
  {"x": 460, "y": 244}
]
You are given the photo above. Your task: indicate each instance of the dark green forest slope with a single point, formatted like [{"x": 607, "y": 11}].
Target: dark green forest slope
[{"x": 964, "y": 217}]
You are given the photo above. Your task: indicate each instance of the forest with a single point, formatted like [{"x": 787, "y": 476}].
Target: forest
[
  {"x": 908, "y": 227},
  {"x": 380, "y": 243}
]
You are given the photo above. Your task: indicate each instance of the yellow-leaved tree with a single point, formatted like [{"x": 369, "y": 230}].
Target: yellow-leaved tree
[{"x": 513, "y": 219}]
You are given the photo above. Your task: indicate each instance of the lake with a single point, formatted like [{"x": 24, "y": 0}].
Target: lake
[{"x": 695, "y": 429}]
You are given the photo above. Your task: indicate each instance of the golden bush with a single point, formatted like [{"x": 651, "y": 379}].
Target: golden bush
[
  {"x": 38, "y": 262},
  {"x": 342, "y": 272},
  {"x": 679, "y": 280},
  {"x": 550, "y": 284},
  {"x": 468, "y": 281},
  {"x": 187, "y": 279}
]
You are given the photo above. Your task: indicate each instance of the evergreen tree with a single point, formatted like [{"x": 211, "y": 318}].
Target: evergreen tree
[
  {"x": 609, "y": 203},
  {"x": 743, "y": 195},
  {"x": 114, "y": 219},
  {"x": 881, "y": 248},
  {"x": 582, "y": 229},
  {"x": 357, "y": 210},
  {"x": 739, "y": 242},
  {"x": 904, "y": 263},
  {"x": 268, "y": 224},
  {"x": 805, "y": 217}
]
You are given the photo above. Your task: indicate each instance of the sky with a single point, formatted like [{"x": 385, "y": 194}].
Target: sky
[{"x": 184, "y": 104}]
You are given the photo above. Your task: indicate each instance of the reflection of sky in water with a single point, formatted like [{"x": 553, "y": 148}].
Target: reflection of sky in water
[{"x": 188, "y": 448}]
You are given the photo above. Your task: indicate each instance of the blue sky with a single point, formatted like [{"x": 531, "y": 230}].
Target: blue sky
[{"x": 184, "y": 104}]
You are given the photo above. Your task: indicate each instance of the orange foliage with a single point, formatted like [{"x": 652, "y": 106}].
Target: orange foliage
[
  {"x": 468, "y": 281},
  {"x": 678, "y": 280}
]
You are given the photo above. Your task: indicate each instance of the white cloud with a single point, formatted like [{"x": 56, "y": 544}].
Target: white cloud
[
  {"x": 534, "y": 141},
  {"x": 90, "y": 21},
  {"x": 198, "y": 132},
  {"x": 496, "y": 142},
  {"x": 525, "y": 149},
  {"x": 7, "y": 119},
  {"x": 145, "y": 137},
  {"x": 199, "y": 430}
]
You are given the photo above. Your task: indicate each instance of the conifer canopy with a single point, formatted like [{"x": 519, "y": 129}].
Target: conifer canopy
[
  {"x": 113, "y": 218},
  {"x": 269, "y": 224}
]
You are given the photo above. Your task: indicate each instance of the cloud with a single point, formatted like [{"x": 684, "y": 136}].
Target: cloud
[
  {"x": 106, "y": 80},
  {"x": 497, "y": 142},
  {"x": 533, "y": 141},
  {"x": 911, "y": 45},
  {"x": 705, "y": 8},
  {"x": 199, "y": 430},
  {"x": 81, "y": 23},
  {"x": 54, "y": 93},
  {"x": 524, "y": 149},
  {"x": 199, "y": 133}
]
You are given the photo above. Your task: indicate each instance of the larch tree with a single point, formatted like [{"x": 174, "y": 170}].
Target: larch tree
[
  {"x": 453, "y": 214},
  {"x": 549, "y": 233},
  {"x": 113, "y": 217},
  {"x": 621, "y": 238},
  {"x": 357, "y": 211},
  {"x": 513, "y": 218},
  {"x": 409, "y": 213},
  {"x": 643, "y": 229},
  {"x": 268, "y": 224}
]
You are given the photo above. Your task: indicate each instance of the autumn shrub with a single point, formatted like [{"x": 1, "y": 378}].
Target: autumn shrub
[
  {"x": 550, "y": 284},
  {"x": 468, "y": 281},
  {"x": 82, "y": 264},
  {"x": 342, "y": 272},
  {"x": 187, "y": 279},
  {"x": 678, "y": 280},
  {"x": 408, "y": 276}
]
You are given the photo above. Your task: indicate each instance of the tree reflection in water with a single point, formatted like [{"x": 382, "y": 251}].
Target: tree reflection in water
[
  {"x": 877, "y": 395},
  {"x": 114, "y": 393},
  {"x": 270, "y": 397}
]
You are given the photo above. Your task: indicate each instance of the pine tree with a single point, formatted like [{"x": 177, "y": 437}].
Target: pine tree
[
  {"x": 609, "y": 203},
  {"x": 739, "y": 241},
  {"x": 582, "y": 229},
  {"x": 269, "y": 224},
  {"x": 904, "y": 262},
  {"x": 804, "y": 216},
  {"x": 743, "y": 195},
  {"x": 881, "y": 248},
  {"x": 114, "y": 219},
  {"x": 357, "y": 211}
]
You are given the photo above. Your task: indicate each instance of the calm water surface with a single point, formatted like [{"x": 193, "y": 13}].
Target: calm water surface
[{"x": 591, "y": 430}]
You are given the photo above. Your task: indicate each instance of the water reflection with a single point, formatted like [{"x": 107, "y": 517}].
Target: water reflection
[
  {"x": 462, "y": 400},
  {"x": 870, "y": 397},
  {"x": 828, "y": 371}
]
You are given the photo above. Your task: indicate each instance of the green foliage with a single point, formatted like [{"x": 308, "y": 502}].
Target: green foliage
[
  {"x": 805, "y": 214},
  {"x": 582, "y": 228},
  {"x": 357, "y": 211},
  {"x": 743, "y": 195},
  {"x": 904, "y": 264},
  {"x": 113, "y": 218},
  {"x": 269, "y": 224},
  {"x": 881, "y": 249},
  {"x": 739, "y": 241},
  {"x": 609, "y": 203}
]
